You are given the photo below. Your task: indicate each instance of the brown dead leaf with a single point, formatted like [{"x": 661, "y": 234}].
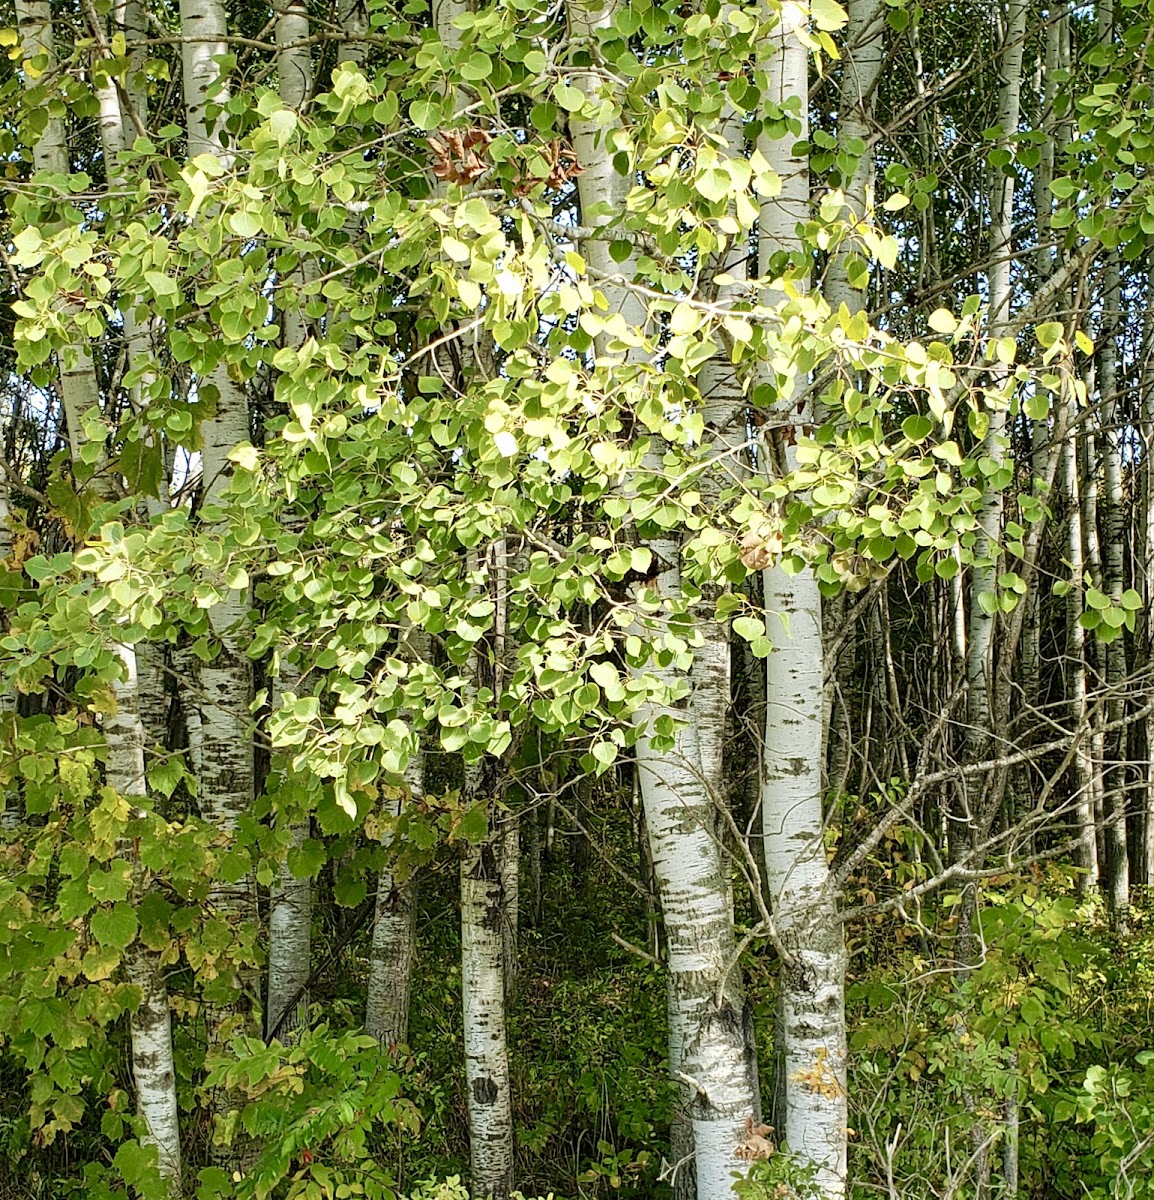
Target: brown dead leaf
[
  {"x": 459, "y": 154},
  {"x": 755, "y": 1143}
]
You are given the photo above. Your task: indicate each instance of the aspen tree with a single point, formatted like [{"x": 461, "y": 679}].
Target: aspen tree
[
  {"x": 150, "y": 1024},
  {"x": 811, "y": 1023},
  {"x": 706, "y": 1003},
  {"x": 290, "y": 899}
]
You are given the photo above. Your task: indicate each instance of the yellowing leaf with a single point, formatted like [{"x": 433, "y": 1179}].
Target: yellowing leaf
[
  {"x": 684, "y": 319},
  {"x": 506, "y": 444},
  {"x": 828, "y": 14},
  {"x": 943, "y": 321}
]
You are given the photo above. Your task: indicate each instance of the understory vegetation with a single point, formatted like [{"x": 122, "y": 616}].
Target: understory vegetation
[{"x": 577, "y": 599}]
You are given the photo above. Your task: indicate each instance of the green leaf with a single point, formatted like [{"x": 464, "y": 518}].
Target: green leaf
[
  {"x": 161, "y": 284},
  {"x": 425, "y": 113},
  {"x": 941, "y": 320},
  {"x": 917, "y": 428},
  {"x": 473, "y": 825},
  {"x": 571, "y": 99},
  {"x": 283, "y": 124},
  {"x": 828, "y": 14},
  {"x": 115, "y": 927},
  {"x": 245, "y": 224}
]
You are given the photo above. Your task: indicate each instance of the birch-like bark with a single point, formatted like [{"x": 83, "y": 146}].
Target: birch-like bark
[
  {"x": 864, "y": 40},
  {"x": 710, "y": 676},
  {"x": 150, "y": 1025},
  {"x": 1086, "y": 852},
  {"x": 510, "y": 864},
  {"x": 226, "y": 751},
  {"x": 353, "y": 18},
  {"x": 289, "y": 949},
  {"x": 1113, "y": 532},
  {"x": 290, "y": 898},
  {"x": 864, "y": 44},
  {"x": 394, "y": 922},
  {"x": 983, "y": 587},
  {"x": 132, "y": 21},
  {"x": 1117, "y": 874},
  {"x": 1092, "y": 561},
  {"x": 483, "y": 1002},
  {"x": 11, "y": 815},
  {"x": 811, "y": 1021},
  {"x": 707, "y": 1049},
  {"x": 289, "y": 928},
  {"x": 1145, "y": 840},
  {"x": 77, "y": 375},
  {"x": 218, "y": 714},
  {"x": 117, "y": 132}
]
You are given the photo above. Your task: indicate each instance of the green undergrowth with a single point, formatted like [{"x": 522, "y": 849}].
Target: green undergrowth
[{"x": 1054, "y": 1023}]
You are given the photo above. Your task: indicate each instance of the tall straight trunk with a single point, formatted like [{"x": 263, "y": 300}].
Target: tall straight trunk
[
  {"x": 706, "y": 1007},
  {"x": 483, "y": 1004},
  {"x": 864, "y": 38},
  {"x": 353, "y": 18},
  {"x": 511, "y": 890},
  {"x": 983, "y": 584},
  {"x": 706, "y": 1004},
  {"x": 218, "y": 713},
  {"x": 1086, "y": 853},
  {"x": 289, "y": 949},
  {"x": 290, "y": 898},
  {"x": 150, "y": 1031},
  {"x": 394, "y": 930},
  {"x": 132, "y": 21},
  {"x": 11, "y": 814},
  {"x": 1113, "y": 532},
  {"x": 707, "y": 1036},
  {"x": 117, "y": 133},
  {"x": 226, "y": 746},
  {"x": 981, "y": 794},
  {"x": 1145, "y": 839},
  {"x": 811, "y": 1019},
  {"x": 1113, "y": 535},
  {"x": 150, "y": 1027}
]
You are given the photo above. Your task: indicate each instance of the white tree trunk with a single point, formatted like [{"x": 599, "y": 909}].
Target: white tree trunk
[
  {"x": 226, "y": 751},
  {"x": 391, "y": 952},
  {"x": 706, "y": 1009},
  {"x": 289, "y": 928},
  {"x": 150, "y": 1025},
  {"x": 1117, "y": 864},
  {"x": 289, "y": 950},
  {"x": 813, "y": 983},
  {"x": 511, "y": 890},
  {"x": 483, "y": 1002},
  {"x": 11, "y": 814},
  {"x": 1146, "y": 825},
  {"x": 1113, "y": 533},
  {"x": 862, "y": 63},
  {"x": 153, "y": 1066},
  {"x": 984, "y": 573},
  {"x": 290, "y": 900},
  {"x": 812, "y": 1006},
  {"x": 1086, "y": 853}
]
